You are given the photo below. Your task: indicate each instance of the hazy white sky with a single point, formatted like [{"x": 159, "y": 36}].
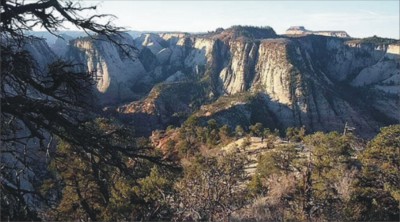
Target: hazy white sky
[{"x": 358, "y": 18}]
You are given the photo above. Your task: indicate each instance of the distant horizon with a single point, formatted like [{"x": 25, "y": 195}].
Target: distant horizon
[
  {"x": 175, "y": 31},
  {"x": 359, "y": 19}
]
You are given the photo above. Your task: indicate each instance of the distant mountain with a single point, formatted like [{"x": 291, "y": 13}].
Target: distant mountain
[
  {"x": 51, "y": 39},
  {"x": 300, "y": 30},
  {"x": 242, "y": 75}
]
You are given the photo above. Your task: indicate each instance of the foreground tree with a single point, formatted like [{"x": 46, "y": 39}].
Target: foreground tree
[
  {"x": 41, "y": 106},
  {"x": 99, "y": 186},
  {"x": 331, "y": 168},
  {"x": 382, "y": 159},
  {"x": 210, "y": 188},
  {"x": 312, "y": 180},
  {"x": 377, "y": 195}
]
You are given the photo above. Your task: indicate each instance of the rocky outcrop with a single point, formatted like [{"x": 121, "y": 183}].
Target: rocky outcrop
[
  {"x": 173, "y": 37},
  {"x": 300, "y": 30},
  {"x": 381, "y": 82},
  {"x": 291, "y": 85},
  {"x": 114, "y": 71},
  {"x": 167, "y": 104},
  {"x": 297, "y": 30}
]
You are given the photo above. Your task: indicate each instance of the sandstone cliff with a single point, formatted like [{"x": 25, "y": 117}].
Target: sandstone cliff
[
  {"x": 114, "y": 71},
  {"x": 298, "y": 81},
  {"x": 316, "y": 81}
]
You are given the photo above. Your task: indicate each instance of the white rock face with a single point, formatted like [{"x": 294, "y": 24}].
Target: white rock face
[
  {"x": 350, "y": 57},
  {"x": 115, "y": 72},
  {"x": 340, "y": 34},
  {"x": 383, "y": 70},
  {"x": 383, "y": 80},
  {"x": 172, "y": 38},
  {"x": 151, "y": 41},
  {"x": 273, "y": 70},
  {"x": 294, "y": 90},
  {"x": 238, "y": 73},
  {"x": 393, "y": 51},
  {"x": 200, "y": 53},
  {"x": 258, "y": 67}
]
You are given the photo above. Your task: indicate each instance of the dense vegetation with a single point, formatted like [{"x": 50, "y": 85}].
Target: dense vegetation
[{"x": 320, "y": 176}]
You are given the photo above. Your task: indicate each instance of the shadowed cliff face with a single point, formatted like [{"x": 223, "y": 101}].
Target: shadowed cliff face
[
  {"x": 316, "y": 81},
  {"x": 114, "y": 71}
]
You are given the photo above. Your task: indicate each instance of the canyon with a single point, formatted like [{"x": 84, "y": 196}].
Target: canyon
[{"x": 242, "y": 75}]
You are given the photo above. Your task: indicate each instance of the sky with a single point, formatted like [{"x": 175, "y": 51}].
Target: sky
[{"x": 358, "y": 18}]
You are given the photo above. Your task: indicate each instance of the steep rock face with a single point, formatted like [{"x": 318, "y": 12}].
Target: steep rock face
[
  {"x": 386, "y": 70},
  {"x": 315, "y": 81},
  {"x": 340, "y": 59},
  {"x": 298, "y": 81},
  {"x": 25, "y": 162},
  {"x": 152, "y": 41},
  {"x": 40, "y": 52},
  {"x": 351, "y": 57},
  {"x": 273, "y": 70},
  {"x": 382, "y": 83},
  {"x": 200, "y": 52},
  {"x": 173, "y": 37},
  {"x": 290, "y": 85},
  {"x": 61, "y": 45},
  {"x": 237, "y": 76},
  {"x": 381, "y": 71},
  {"x": 114, "y": 71}
]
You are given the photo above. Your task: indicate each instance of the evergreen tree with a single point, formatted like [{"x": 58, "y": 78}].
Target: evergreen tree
[{"x": 377, "y": 196}]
